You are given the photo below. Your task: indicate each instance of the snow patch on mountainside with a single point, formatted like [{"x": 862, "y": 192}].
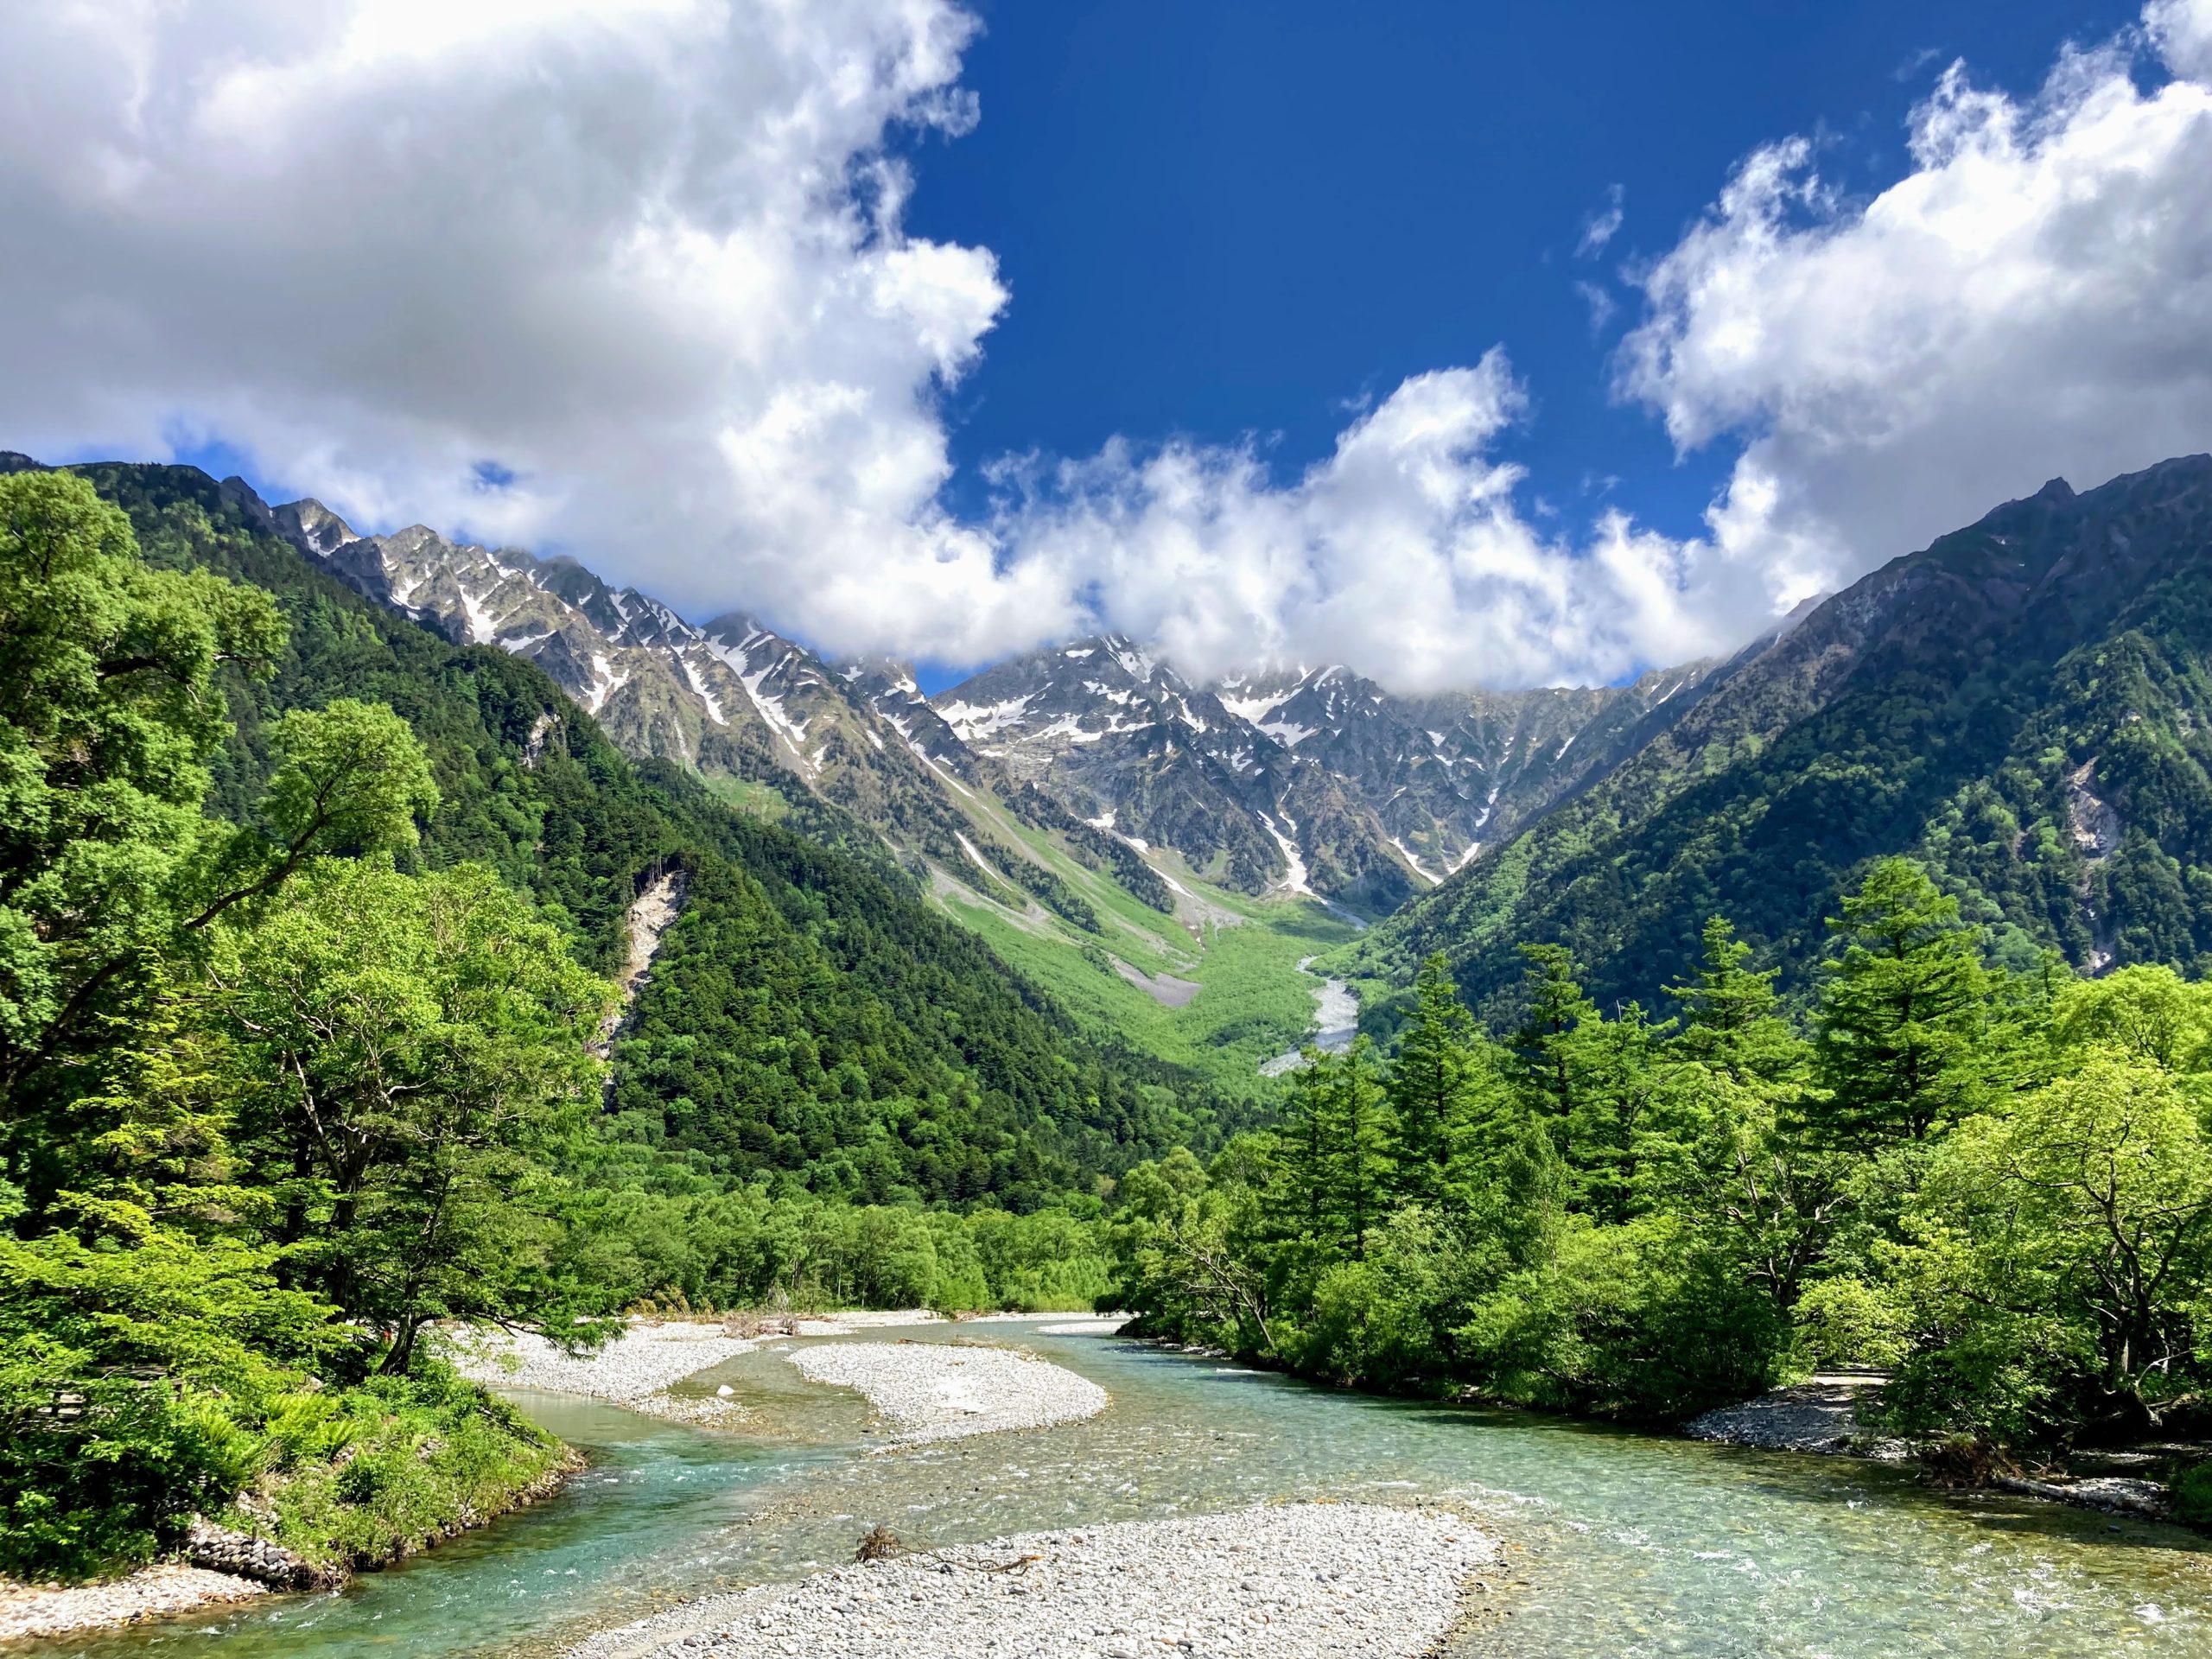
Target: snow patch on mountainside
[
  {"x": 691, "y": 678},
  {"x": 605, "y": 682},
  {"x": 754, "y": 680},
  {"x": 1295, "y": 880},
  {"x": 1253, "y": 710},
  {"x": 970, "y": 722},
  {"x": 482, "y": 632},
  {"x": 1413, "y": 859}
]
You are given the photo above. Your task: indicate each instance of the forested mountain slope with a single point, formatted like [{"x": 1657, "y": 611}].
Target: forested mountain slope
[
  {"x": 2025, "y": 705},
  {"x": 810, "y": 1016}
]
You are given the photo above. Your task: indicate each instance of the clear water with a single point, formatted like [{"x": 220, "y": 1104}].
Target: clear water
[{"x": 1617, "y": 1545}]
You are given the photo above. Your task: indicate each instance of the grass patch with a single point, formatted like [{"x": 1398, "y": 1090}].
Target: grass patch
[
  {"x": 760, "y": 800},
  {"x": 1252, "y": 1003}
]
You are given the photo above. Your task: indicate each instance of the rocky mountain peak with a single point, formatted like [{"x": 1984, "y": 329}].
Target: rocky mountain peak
[{"x": 1308, "y": 778}]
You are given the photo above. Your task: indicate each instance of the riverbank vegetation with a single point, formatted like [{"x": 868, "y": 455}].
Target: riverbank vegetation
[
  {"x": 1996, "y": 1185},
  {"x": 273, "y": 1102}
]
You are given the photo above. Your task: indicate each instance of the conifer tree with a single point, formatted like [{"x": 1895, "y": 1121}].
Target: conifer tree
[
  {"x": 1551, "y": 1047},
  {"x": 1606, "y": 1125},
  {"x": 1732, "y": 1018},
  {"x": 1437, "y": 1088},
  {"x": 1900, "y": 1010},
  {"x": 1361, "y": 1169},
  {"x": 1302, "y": 1149}
]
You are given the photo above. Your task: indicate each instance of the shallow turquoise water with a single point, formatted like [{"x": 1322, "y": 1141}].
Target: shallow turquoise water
[{"x": 1618, "y": 1545}]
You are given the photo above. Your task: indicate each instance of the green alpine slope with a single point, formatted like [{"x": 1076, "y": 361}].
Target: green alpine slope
[
  {"x": 812, "y": 1016},
  {"x": 2024, "y": 706}
]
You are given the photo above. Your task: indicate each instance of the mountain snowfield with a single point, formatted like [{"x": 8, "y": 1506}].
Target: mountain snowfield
[{"x": 1303, "y": 780}]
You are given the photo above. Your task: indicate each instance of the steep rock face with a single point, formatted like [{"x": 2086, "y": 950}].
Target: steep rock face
[
  {"x": 729, "y": 697},
  {"x": 2026, "y": 704},
  {"x": 1309, "y": 779},
  {"x": 1131, "y": 747},
  {"x": 659, "y": 686},
  {"x": 1306, "y": 780},
  {"x": 1450, "y": 772}
]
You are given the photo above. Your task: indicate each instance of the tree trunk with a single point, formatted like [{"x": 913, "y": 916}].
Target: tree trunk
[{"x": 402, "y": 1353}]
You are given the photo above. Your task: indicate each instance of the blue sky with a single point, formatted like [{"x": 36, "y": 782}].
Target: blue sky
[
  {"x": 1262, "y": 332},
  {"x": 1234, "y": 217}
]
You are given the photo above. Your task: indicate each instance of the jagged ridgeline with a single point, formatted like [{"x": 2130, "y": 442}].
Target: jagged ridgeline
[
  {"x": 807, "y": 1016},
  {"x": 1308, "y": 780},
  {"x": 2024, "y": 706}
]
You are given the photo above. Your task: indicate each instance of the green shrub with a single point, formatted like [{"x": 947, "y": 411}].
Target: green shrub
[
  {"x": 108, "y": 1479},
  {"x": 379, "y": 1471},
  {"x": 2192, "y": 1496}
]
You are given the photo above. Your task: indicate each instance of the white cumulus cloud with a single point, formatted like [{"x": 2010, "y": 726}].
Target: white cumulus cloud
[
  {"x": 2032, "y": 300},
  {"x": 1403, "y": 552},
  {"x": 647, "y": 255},
  {"x": 650, "y": 259}
]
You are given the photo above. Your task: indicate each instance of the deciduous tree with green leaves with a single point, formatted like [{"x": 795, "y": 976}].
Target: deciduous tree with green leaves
[{"x": 412, "y": 1061}]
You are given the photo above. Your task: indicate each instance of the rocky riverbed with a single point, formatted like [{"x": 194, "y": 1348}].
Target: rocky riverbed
[
  {"x": 640, "y": 1367},
  {"x": 1818, "y": 1414},
  {"x": 150, "y": 1592},
  {"x": 943, "y": 1391},
  {"x": 1821, "y": 1415},
  {"x": 1296, "y": 1581}
]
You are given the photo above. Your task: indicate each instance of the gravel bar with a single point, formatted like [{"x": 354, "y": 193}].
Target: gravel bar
[
  {"x": 946, "y": 1391},
  {"x": 1818, "y": 1415},
  {"x": 639, "y": 1368},
  {"x": 636, "y": 1369},
  {"x": 150, "y": 1592},
  {"x": 1300, "y": 1581}
]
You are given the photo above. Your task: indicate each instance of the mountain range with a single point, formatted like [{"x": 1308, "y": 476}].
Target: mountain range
[
  {"x": 1304, "y": 779},
  {"x": 2025, "y": 705}
]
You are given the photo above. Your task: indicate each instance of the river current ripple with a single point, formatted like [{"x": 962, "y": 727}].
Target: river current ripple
[{"x": 1618, "y": 1545}]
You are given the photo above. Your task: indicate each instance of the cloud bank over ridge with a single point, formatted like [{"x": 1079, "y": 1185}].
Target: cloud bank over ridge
[{"x": 635, "y": 278}]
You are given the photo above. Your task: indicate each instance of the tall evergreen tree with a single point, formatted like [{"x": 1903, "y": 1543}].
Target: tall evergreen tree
[
  {"x": 1551, "y": 1047},
  {"x": 1900, "y": 1009},
  {"x": 1302, "y": 1148},
  {"x": 1732, "y": 1018},
  {"x": 1438, "y": 1088},
  {"x": 1333, "y": 1150},
  {"x": 1618, "y": 1098},
  {"x": 1361, "y": 1169}
]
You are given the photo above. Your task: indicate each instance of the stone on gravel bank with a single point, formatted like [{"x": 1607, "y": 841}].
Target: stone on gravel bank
[
  {"x": 219, "y": 1549},
  {"x": 1816, "y": 1415},
  {"x": 1301, "y": 1581},
  {"x": 28, "y": 1610},
  {"x": 943, "y": 1391}
]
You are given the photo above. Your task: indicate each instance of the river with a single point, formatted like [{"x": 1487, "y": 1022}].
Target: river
[
  {"x": 1630, "y": 1544},
  {"x": 1336, "y": 1023}
]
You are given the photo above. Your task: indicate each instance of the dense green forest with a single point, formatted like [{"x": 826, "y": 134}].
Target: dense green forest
[
  {"x": 303, "y": 917},
  {"x": 2025, "y": 706},
  {"x": 1997, "y": 1184}
]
